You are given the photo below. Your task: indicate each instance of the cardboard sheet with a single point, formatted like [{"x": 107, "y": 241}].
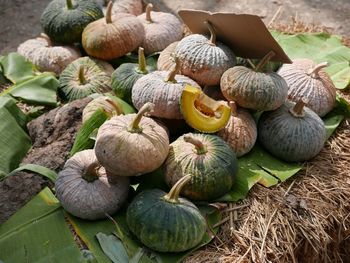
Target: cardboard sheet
[{"x": 246, "y": 35}]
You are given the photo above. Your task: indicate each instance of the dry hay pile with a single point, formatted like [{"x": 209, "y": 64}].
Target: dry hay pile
[{"x": 306, "y": 219}]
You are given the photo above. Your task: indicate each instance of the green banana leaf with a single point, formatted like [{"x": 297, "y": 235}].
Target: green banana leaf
[
  {"x": 35, "y": 168},
  {"x": 320, "y": 47},
  {"x": 38, "y": 233},
  {"x": 16, "y": 68}
]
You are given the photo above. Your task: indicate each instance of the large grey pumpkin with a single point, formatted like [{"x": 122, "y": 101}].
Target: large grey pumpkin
[
  {"x": 305, "y": 79},
  {"x": 133, "y": 7},
  {"x": 86, "y": 190},
  {"x": 292, "y": 133},
  {"x": 47, "y": 57},
  {"x": 166, "y": 59},
  {"x": 203, "y": 59}
]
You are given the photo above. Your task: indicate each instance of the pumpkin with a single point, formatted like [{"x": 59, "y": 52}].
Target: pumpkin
[
  {"x": 214, "y": 92},
  {"x": 253, "y": 88},
  {"x": 208, "y": 159},
  {"x": 201, "y": 112},
  {"x": 164, "y": 89},
  {"x": 164, "y": 222},
  {"x": 64, "y": 20},
  {"x": 161, "y": 29},
  {"x": 112, "y": 36},
  {"x": 166, "y": 59},
  {"x": 47, "y": 57},
  {"x": 293, "y": 132},
  {"x": 86, "y": 190},
  {"x": 305, "y": 79},
  {"x": 240, "y": 132},
  {"x": 133, "y": 7},
  {"x": 125, "y": 76},
  {"x": 132, "y": 145},
  {"x": 83, "y": 77},
  {"x": 204, "y": 59}
]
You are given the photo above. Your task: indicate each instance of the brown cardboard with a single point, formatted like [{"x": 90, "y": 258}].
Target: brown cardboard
[{"x": 246, "y": 35}]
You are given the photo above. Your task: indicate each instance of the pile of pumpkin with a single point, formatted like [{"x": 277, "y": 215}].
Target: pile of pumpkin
[{"x": 202, "y": 165}]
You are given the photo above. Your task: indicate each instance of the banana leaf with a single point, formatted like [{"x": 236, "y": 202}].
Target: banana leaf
[{"x": 16, "y": 68}]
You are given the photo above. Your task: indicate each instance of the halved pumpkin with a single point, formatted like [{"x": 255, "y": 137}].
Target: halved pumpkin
[{"x": 203, "y": 113}]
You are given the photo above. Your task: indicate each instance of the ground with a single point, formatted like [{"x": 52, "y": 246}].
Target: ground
[{"x": 19, "y": 20}]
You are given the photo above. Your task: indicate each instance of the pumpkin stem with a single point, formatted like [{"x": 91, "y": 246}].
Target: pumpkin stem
[
  {"x": 264, "y": 61},
  {"x": 134, "y": 125},
  {"x": 149, "y": 8},
  {"x": 251, "y": 64},
  {"x": 298, "y": 109},
  {"x": 174, "y": 71},
  {"x": 316, "y": 69},
  {"x": 46, "y": 37},
  {"x": 200, "y": 147},
  {"x": 173, "y": 195},
  {"x": 233, "y": 107},
  {"x": 91, "y": 173},
  {"x": 212, "y": 32},
  {"x": 109, "y": 12},
  {"x": 115, "y": 106},
  {"x": 82, "y": 79},
  {"x": 142, "y": 61},
  {"x": 69, "y": 4}
]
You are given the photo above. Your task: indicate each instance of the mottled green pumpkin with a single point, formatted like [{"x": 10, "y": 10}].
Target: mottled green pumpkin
[
  {"x": 209, "y": 160},
  {"x": 254, "y": 88},
  {"x": 292, "y": 133},
  {"x": 83, "y": 77},
  {"x": 64, "y": 20},
  {"x": 125, "y": 76},
  {"x": 165, "y": 222}
]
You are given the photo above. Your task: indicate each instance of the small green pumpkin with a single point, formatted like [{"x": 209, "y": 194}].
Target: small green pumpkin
[
  {"x": 125, "y": 76},
  {"x": 208, "y": 159},
  {"x": 254, "y": 88},
  {"x": 293, "y": 132},
  {"x": 165, "y": 222},
  {"x": 83, "y": 77},
  {"x": 64, "y": 20}
]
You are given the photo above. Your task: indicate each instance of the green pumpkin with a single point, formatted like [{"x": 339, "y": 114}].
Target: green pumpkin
[
  {"x": 208, "y": 159},
  {"x": 83, "y": 77},
  {"x": 164, "y": 222},
  {"x": 64, "y": 20},
  {"x": 125, "y": 76}
]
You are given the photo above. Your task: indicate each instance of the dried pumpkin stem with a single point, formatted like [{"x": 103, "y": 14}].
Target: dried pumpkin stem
[
  {"x": 115, "y": 106},
  {"x": 82, "y": 79},
  {"x": 212, "y": 32},
  {"x": 233, "y": 107},
  {"x": 298, "y": 109},
  {"x": 109, "y": 12},
  {"x": 142, "y": 61},
  {"x": 91, "y": 173},
  {"x": 174, "y": 71},
  {"x": 264, "y": 61},
  {"x": 69, "y": 4},
  {"x": 315, "y": 70},
  {"x": 173, "y": 195},
  {"x": 251, "y": 64},
  {"x": 134, "y": 125},
  {"x": 200, "y": 147},
  {"x": 149, "y": 9},
  {"x": 46, "y": 37}
]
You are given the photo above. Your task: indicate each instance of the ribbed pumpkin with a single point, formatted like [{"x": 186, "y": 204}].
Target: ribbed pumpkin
[
  {"x": 125, "y": 76},
  {"x": 83, "y": 77},
  {"x": 161, "y": 29},
  {"x": 293, "y": 132},
  {"x": 132, "y": 145},
  {"x": 86, "y": 190},
  {"x": 204, "y": 59},
  {"x": 164, "y": 89},
  {"x": 112, "y": 36},
  {"x": 305, "y": 79},
  {"x": 214, "y": 92},
  {"x": 164, "y": 222},
  {"x": 240, "y": 132},
  {"x": 47, "y": 57},
  {"x": 64, "y": 20},
  {"x": 208, "y": 159},
  {"x": 166, "y": 60},
  {"x": 133, "y": 7},
  {"x": 254, "y": 89}
]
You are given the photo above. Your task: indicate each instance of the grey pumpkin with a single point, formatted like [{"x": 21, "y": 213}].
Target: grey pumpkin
[
  {"x": 85, "y": 189},
  {"x": 293, "y": 132}
]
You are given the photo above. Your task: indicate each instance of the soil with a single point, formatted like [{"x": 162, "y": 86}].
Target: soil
[{"x": 20, "y": 20}]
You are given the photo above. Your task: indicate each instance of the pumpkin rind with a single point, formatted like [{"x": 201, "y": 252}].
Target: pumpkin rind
[
  {"x": 133, "y": 7},
  {"x": 89, "y": 200},
  {"x": 213, "y": 172},
  {"x": 97, "y": 76},
  {"x": 46, "y": 57},
  {"x": 318, "y": 88},
  {"x": 65, "y": 25},
  {"x": 166, "y": 58},
  {"x": 291, "y": 138}
]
